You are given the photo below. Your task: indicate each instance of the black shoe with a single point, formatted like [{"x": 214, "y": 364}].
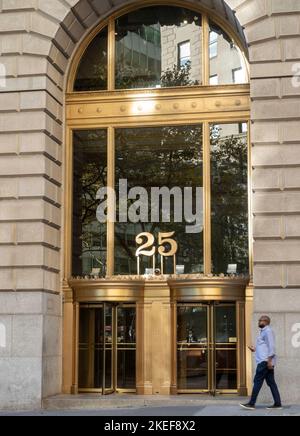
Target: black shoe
[
  {"x": 275, "y": 407},
  {"x": 248, "y": 406}
]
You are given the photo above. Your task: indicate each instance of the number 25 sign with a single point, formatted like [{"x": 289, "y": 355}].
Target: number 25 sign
[{"x": 167, "y": 247}]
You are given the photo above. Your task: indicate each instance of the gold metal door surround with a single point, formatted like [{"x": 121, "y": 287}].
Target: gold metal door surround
[
  {"x": 210, "y": 354},
  {"x": 113, "y": 109},
  {"x": 125, "y": 351},
  {"x": 193, "y": 355},
  {"x": 102, "y": 352}
]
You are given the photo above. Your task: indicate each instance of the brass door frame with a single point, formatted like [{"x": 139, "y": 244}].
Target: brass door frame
[
  {"x": 117, "y": 389},
  {"x": 114, "y": 350},
  {"x": 212, "y": 347},
  {"x": 112, "y": 109},
  {"x": 110, "y": 390},
  {"x": 238, "y": 320},
  {"x": 197, "y": 391}
]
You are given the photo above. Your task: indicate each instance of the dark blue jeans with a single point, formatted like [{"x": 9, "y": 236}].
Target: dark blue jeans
[{"x": 263, "y": 373}]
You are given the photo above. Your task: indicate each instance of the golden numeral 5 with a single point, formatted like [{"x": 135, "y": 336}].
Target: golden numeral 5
[{"x": 165, "y": 239}]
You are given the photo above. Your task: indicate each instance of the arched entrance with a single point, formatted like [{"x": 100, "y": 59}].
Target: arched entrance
[{"x": 158, "y": 96}]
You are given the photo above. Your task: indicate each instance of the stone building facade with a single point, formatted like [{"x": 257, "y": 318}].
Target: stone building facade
[{"x": 37, "y": 40}]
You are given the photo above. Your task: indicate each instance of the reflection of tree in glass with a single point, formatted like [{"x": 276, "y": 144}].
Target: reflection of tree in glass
[
  {"x": 94, "y": 81},
  {"x": 158, "y": 157},
  {"x": 92, "y": 71},
  {"x": 90, "y": 173},
  {"x": 128, "y": 77},
  {"x": 178, "y": 76},
  {"x": 229, "y": 201},
  {"x": 93, "y": 177},
  {"x": 145, "y": 38}
]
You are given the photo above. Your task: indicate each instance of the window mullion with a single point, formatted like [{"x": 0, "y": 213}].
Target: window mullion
[
  {"x": 111, "y": 54},
  {"x": 207, "y": 199},
  {"x": 111, "y": 202},
  {"x": 250, "y": 224},
  {"x": 205, "y": 50}
]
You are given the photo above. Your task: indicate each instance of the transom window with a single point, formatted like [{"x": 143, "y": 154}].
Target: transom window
[
  {"x": 159, "y": 100},
  {"x": 158, "y": 46}
]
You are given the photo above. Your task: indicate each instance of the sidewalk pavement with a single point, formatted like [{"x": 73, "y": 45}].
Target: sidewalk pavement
[{"x": 137, "y": 406}]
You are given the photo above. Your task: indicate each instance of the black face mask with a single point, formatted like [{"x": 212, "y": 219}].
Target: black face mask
[{"x": 262, "y": 326}]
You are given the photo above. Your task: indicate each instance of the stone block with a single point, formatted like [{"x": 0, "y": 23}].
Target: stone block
[
  {"x": 52, "y": 340},
  {"x": 267, "y": 227},
  {"x": 277, "y": 300},
  {"x": 7, "y": 233},
  {"x": 268, "y": 276},
  {"x": 21, "y": 383},
  {"x": 52, "y": 376},
  {"x": 277, "y": 251},
  {"x": 27, "y": 336},
  {"x": 293, "y": 275}
]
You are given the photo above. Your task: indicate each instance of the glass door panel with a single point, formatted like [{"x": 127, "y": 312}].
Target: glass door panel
[
  {"x": 91, "y": 350},
  {"x": 192, "y": 347},
  {"x": 207, "y": 346},
  {"x": 226, "y": 346},
  {"x": 126, "y": 348},
  {"x": 107, "y": 348}
]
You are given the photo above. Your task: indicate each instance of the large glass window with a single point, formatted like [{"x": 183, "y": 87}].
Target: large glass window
[
  {"x": 229, "y": 166},
  {"x": 160, "y": 157},
  {"x": 90, "y": 174},
  {"x": 159, "y": 188},
  {"x": 147, "y": 43},
  {"x": 157, "y": 171}
]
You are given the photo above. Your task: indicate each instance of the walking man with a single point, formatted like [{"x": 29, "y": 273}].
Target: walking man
[{"x": 266, "y": 360}]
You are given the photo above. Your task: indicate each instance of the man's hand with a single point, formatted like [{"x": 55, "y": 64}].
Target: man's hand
[
  {"x": 270, "y": 363},
  {"x": 252, "y": 349}
]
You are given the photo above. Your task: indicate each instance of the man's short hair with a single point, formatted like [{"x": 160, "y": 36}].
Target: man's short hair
[{"x": 266, "y": 318}]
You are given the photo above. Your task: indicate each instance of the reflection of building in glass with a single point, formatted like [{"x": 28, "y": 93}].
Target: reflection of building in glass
[
  {"x": 226, "y": 63},
  {"x": 148, "y": 48},
  {"x": 139, "y": 53},
  {"x": 152, "y": 55},
  {"x": 180, "y": 45},
  {"x": 229, "y": 169}
]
